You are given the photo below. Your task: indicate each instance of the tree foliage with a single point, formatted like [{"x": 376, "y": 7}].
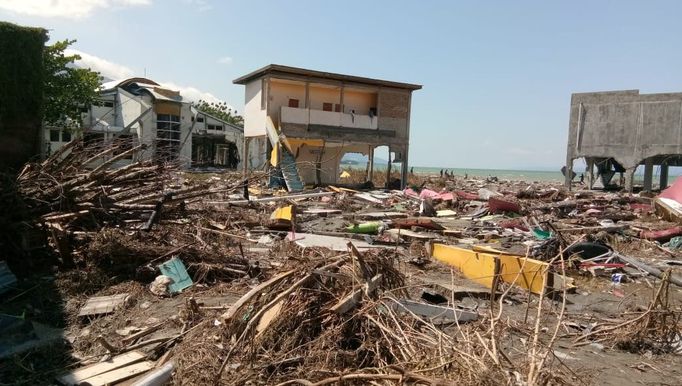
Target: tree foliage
[
  {"x": 220, "y": 110},
  {"x": 67, "y": 88}
]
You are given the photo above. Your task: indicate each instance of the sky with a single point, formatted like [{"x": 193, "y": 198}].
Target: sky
[{"x": 497, "y": 76}]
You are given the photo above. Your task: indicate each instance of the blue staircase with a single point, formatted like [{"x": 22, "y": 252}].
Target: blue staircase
[{"x": 290, "y": 171}]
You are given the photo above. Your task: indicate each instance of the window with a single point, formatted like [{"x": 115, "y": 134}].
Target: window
[
  {"x": 215, "y": 127},
  {"x": 168, "y": 127},
  {"x": 102, "y": 103},
  {"x": 337, "y": 108},
  {"x": 66, "y": 136},
  {"x": 372, "y": 111},
  {"x": 200, "y": 119},
  {"x": 54, "y": 135},
  {"x": 293, "y": 102},
  {"x": 327, "y": 106},
  {"x": 168, "y": 136}
]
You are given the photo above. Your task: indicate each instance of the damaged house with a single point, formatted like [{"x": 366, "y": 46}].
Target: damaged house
[
  {"x": 147, "y": 113},
  {"x": 302, "y": 122},
  {"x": 617, "y": 131}
]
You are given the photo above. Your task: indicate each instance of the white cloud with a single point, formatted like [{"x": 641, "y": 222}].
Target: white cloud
[
  {"x": 225, "y": 60},
  {"x": 201, "y": 5},
  {"x": 117, "y": 71},
  {"x": 193, "y": 94},
  {"x": 108, "y": 69},
  {"x": 70, "y": 9}
]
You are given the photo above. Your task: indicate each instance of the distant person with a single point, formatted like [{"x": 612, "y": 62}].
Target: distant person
[
  {"x": 582, "y": 178},
  {"x": 412, "y": 170},
  {"x": 466, "y": 176},
  {"x": 441, "y": 173}
]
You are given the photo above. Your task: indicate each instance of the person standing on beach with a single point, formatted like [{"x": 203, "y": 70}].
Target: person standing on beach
[
  {"x": 441, "y": 173},
  {"x": 412, "y": 170}
]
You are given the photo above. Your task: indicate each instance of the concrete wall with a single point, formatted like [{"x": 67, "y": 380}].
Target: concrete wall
[
  {"x": 254, "y": 111},
  {"x": 394, "y": 111},
  {"x": 320, "y": 95},
  {"x": 624, "y": 125},
  {"x": 329, "y": 155},
  {"x": 359, "y": 101},
  {"x": 257, "y": 153},
  {"x": 279, "y": 96}
]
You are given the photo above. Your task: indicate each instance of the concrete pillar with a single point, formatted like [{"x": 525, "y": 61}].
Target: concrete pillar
[
  {"x": 664, "y": 177},
  {"x": 388, "y": 168},
  {"x": 245, "y": 157},
  {"x": 405, "y": 171},
  {"x": 569, "y": 167},
  {"x": 590, "y": 173},
  {"x": 648, "y": 174},
  {"x": 370, "y": 174},
  {"x": 629, "y": 179}
]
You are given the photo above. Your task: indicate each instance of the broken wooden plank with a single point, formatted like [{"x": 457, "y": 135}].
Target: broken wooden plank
[
  {"x": 120, "y": 374},
  {"x": 417, "y": 222},
  {"x": 79, "y": 375},
  {"x": 368, "y": 197},
  {"x": 647, "y": 268},
  {"x": 396, "y": 233},
  {"x": 101, "y": 305},
  {"x": 446, "y": 213},
  {"x": 229, "y": 314},
  {"x": 322, "y": 211},
  {"x": 133, "y": 337},
  {"x": 268, "y": 317},
  {"x": 381, "y": 215},
  {"x": 351, "y": 300},
  {"x": 274, "y": 198}
]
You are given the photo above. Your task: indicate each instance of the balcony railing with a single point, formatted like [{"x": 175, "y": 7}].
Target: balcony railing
[{"x": 327, "y": 118}]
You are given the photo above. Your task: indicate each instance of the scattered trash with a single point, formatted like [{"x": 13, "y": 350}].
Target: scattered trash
[
  {"x": 279, "y": 278},
  {"x": 101, "y": 305},
  {"x": 175, "y": 270},
  {"x": 160, "y": 285}
]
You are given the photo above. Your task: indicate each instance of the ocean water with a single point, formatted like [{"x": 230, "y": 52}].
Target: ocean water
[
  {"x": 502, "y": 174},
  {"x": 518, "y": 175}
]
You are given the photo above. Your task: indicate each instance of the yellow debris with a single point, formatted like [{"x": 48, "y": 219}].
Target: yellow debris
[{"x": 482, "y": 264}]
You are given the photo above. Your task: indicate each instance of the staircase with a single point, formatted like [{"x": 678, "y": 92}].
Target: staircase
[
  {"x": 290, "y": 171},
  {"x": 287, "y": 165}
]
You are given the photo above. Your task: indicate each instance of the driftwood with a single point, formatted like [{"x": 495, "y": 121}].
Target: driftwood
[{"x": 647, "y": 268}]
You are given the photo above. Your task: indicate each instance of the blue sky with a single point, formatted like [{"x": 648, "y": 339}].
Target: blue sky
[{"x": 497, "y": 75}]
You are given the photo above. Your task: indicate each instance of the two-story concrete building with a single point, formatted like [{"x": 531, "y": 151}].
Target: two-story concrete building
[
  {"x": 323, "y": 116},
  {"x": 147, "y": 113}
]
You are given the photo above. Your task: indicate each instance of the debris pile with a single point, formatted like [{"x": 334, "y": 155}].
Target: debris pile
[{"x": 212, "y": 278}]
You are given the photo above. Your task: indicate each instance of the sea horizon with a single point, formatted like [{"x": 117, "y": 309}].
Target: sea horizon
[{"x": 528, "y": 175}]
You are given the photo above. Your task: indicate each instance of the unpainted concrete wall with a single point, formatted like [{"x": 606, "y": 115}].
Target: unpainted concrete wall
[
  {"x": 394, "y": 111},
  {"x": 624, "y": 125}
]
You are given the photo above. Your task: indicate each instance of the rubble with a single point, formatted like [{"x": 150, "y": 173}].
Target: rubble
[{"x": 189, "y": 282}]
